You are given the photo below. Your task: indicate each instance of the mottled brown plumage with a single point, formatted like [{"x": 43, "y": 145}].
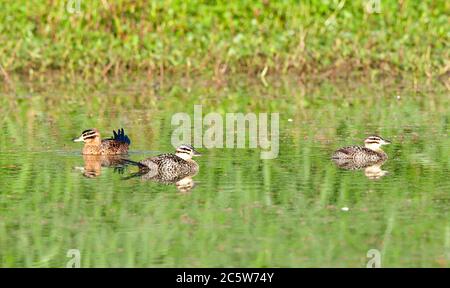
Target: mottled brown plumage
[
  {"x": 360, "y": 156},
  {"x": 94, "y": 145}
]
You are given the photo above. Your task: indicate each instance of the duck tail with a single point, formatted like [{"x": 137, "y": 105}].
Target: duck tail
[
  {"x": 133, "y": 175},
  {"x": 121, "y": 137},
  {"x": 134, "y": 163},
  {"x": 141, "y": 166}
]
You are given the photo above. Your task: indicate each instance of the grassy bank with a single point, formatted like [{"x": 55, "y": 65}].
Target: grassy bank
[{"x": 158, "y": 38}]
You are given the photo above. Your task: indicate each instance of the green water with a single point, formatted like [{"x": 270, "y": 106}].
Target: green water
[{"x": 297, "y": 210}]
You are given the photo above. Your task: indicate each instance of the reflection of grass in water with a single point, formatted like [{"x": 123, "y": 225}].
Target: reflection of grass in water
[
  {"x": 244, "y": 211},
  {"x": 157, "y": 38}
]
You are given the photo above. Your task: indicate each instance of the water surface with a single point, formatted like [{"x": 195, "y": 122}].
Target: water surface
[{"x": 298, "y": 210}]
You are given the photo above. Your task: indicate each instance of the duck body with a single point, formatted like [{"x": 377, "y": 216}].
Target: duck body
[
  {"x": 106, "y": 147},
  {"x": 170, "y": 164},
  {"x": 362, "y": 156},
  {"x": 94, "y": 145},
  {"x": 359, "y": 154}
]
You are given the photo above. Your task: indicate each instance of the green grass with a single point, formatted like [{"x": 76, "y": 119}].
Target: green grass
[{"x": 218, "y": 38}]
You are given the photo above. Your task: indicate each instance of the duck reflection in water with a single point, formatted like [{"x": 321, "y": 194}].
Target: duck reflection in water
[
  {"x": 184, "y": 182},
  {"x": 372, "y": 170},
  {"x": 93, "y": 164}
]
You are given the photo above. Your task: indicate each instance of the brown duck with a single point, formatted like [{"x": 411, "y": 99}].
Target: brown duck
[{"x": 94, "y": 145}]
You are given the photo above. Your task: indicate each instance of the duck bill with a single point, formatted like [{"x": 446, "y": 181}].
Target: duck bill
[
  {"x": 386, "y": 142},
  {"x": 195, "y": 153},
  {"x": 79, "y": 139}
]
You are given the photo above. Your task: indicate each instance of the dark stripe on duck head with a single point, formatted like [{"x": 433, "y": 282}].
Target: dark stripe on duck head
[
  {"x": 90, "y": 137},
  {"x": 374, "y": 138},
  {"x": 88, "y": 130}
]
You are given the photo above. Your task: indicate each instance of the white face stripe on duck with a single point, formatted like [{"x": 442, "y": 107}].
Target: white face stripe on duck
[
  {"x": 87, "y": 134},
  {"x": 374, "y": 142},
  {"x": 90, "y": 134},
  {"x": 186, "y": 152}
]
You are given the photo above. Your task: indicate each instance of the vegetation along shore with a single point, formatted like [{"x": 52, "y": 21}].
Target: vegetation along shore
[{"x": 192, "y": 38}]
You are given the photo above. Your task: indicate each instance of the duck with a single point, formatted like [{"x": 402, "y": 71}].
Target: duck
[
  {"x": 362, "y": 156},
  {"x": 94, "y": 145},
  {"x": 169, "y": 167}
]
